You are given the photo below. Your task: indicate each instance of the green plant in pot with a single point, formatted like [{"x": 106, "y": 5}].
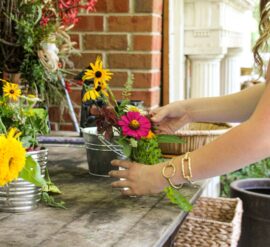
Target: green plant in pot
[{"x": 21, "y": 121}]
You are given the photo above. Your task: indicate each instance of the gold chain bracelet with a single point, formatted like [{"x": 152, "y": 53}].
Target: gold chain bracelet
[
  {"x": 168, "y": 177},
  {"x": 187, "y": 159}
]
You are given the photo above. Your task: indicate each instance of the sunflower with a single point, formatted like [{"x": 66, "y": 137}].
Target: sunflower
[
  {"x": 101, "y": 88},
  {"x": 97, "y": 73},
  {"x": 91, "y": 94},
  {"x": 12, "y": 91},
  {"x": 12, "y": 157}
]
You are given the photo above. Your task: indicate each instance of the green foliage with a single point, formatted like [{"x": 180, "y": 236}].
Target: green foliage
[
  {"x": 22, "y": 115},
  {"x": 48, "y": 190},
  {"x": 169, "y": 139},
  {"x": 260, "y": 169},
  {"x": 50, "y": 201},
  {"x": 176, "y": 198},
  {"x": 31, "y": 172},
  {"x": 147, "y": 151}
]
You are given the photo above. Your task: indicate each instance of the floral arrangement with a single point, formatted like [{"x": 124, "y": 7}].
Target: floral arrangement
[
  {"x": 35, "y": 41},
  {"x": 130, "y": 124},
  {"x": 21, "y": 122}
]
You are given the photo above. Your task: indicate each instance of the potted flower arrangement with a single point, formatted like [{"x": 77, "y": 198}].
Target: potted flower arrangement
[
  {"x": 35, "y": 45},
  {"x": 121, "y": 127},
  {"x": 23, "y": 162}
]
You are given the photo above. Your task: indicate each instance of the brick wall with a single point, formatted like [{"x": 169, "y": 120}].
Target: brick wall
[{"x": 128, "y": 36}]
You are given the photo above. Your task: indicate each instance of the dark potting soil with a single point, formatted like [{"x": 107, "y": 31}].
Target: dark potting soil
[{"x": 265, "y": 191}]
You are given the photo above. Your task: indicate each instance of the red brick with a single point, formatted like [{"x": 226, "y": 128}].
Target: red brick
[
  {"x": 83, "y": 61},
  {"x": 147, "y": 80},
  {"x": 54, "y": 113},
  {"x": 150, "y": 98},
  {"x": 66, "y": 116},
  {"x": 54, "y": 126},
  {"x": 89, "y": 23},
  {"x": 135, "y": 24},
  {"x": 118, "y": 79},
  {"x": 75, "y": 96},
  {"x": 112, "y": 6},
  {"x": 76, "y": 38},
  {"x": 134, "y": 61},
  {"x": 105, "y": 42},
  {"x": 147, "y": 42},
  {"x": 66, "y": 127},
  {"x": 149, "y": 6}
]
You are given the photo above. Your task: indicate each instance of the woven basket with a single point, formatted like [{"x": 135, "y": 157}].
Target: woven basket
[
  {"x": 213, "y": 222},
  {"x": 195, "y": 135}
]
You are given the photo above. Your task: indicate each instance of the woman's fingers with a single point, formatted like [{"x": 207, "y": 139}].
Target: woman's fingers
[
  {"x": 122, "y": 163},
  {"x": 119, "y": 173},
  {"x": 121, "y": 184},
  {"x": 127, "y": 192}
]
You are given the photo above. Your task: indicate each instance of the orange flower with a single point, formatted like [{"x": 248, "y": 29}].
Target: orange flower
[{"x": 150, "y": 135}]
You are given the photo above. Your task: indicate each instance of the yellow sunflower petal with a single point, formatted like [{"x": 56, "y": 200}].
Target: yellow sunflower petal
[{"x": 12, "y": 159}]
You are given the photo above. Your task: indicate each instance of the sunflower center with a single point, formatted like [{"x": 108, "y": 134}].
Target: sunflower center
[
  {"x": 98, "y": 74},
  {"x": 11, "y": 91},
  {"x": 134, "y": 124},
  {"x": 10, "y": 161}
]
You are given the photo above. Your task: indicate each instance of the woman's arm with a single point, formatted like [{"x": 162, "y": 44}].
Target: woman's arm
[
  {"x": 244, "y": 144},
  {"x": 229, "y": 108}
]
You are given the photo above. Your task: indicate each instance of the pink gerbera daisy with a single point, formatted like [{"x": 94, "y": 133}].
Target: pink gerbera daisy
[{"x": 135, "y": 125}]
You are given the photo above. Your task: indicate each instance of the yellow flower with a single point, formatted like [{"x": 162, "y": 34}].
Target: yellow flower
[
  {"x": 97, "y": 73},
  {"x": 91, "y": 94},
  {"x": 134, "y": 109},
  {"x": 150, "y": 135},
  {"x": 12, "y": 91},
  {"x": 4, "y": 81},
  {"x": 101, "y": 87},
  {"x": 12, "y": 157}
]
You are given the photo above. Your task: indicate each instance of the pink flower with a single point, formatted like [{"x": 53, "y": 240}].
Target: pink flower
[{"x": 135, "y": 125}]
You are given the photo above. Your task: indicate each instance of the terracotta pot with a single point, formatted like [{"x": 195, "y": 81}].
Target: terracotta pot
[{"x": 255, "y": 194}]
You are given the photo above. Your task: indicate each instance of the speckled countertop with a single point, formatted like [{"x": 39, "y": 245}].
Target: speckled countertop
[{"x": 97, "y": 215}]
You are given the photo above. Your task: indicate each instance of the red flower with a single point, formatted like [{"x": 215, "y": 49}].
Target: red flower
[{"x": 68, "y": 86}]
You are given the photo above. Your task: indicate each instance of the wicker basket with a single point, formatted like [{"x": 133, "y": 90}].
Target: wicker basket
[
  {"x": 195, "y": 136},
  {"x": 212, "y": 222}
]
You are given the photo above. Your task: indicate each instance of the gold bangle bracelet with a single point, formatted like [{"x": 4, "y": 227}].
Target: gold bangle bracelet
[
  {"x": 187, "y": 159},
  {"x": 168, "y": 177}
]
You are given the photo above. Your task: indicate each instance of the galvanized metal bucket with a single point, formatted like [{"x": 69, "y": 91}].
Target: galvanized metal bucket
[
  {"x": 20, "y": 195},
  {"x": 99, "y": 153}
]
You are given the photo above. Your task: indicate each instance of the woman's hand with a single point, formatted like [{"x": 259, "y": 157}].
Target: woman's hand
[
  {"x": 170, "y": 118},
  {"x": 139, "y": 179}
]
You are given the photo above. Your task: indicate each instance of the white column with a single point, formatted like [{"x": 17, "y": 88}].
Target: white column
[
  {"x": 205, "y": 75},
  {"x": 176, "y": 51},
  {"x": 230, "y": 72}
]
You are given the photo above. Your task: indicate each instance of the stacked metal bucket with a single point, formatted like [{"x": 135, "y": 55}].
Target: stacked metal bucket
[{"x": 20, "y": 195}]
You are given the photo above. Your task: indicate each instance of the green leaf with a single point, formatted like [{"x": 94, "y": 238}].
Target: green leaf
[
  {"x": 125, "y": 145},
  {"x": 169, "y": 139},
  {"x": 51, "y": 187},
  {"x": 177, "y": 198},
  {"x": 49, "y": 201},
  {"x": 31, "y": 172},
  {"x": 133, "y": 143}
]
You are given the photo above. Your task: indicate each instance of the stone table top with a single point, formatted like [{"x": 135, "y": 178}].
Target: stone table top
[{"x": 96, "y": 214}]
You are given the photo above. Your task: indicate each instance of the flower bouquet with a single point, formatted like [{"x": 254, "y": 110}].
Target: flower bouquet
[
  {"x": 35, "y": 42},
  {"x": 130, "y": 125},
  {"x": 22, "y": 160}
]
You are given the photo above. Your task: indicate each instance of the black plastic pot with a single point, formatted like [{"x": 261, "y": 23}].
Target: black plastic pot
[{"x": 255, "y": 194}]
